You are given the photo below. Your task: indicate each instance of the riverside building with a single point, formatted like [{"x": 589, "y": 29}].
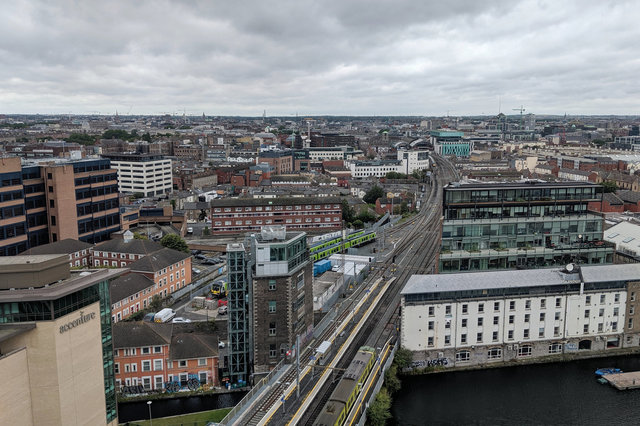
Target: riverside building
[
  {"x": 530, "y": 224},
  {"x": 485, "y": 317},
  {"x": 56, "y": 355}
]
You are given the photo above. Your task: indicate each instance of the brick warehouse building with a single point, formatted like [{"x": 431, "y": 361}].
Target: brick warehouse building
[
  {"x": 51, "y": 200},
  {"x": 238, "y": 215}
]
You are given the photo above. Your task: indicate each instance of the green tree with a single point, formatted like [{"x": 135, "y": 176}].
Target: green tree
[
  {"x": 206, "y": 231},
  {"x": 366, "y": 217},
  {"x": 139, "y": 236},
  {"x": 348, "y": 212},
  {"x": 373, "y": 194},
  {"x": 81, "y": 138},
  {"x": 403, "y": 358},
  {"x": 380, "y": 410},
  {"x": 146, "y": 137},
  {"x": 116, "y": 134},
  {"x": 391, "y": 380},
  {"x": 358, "y": 224},
  {"x": 156, "y": 303},
  {"x": 173, "y": 203},
  {"x": 395, "y": 175},
  {"x": 609, "y": 186},
  {"x": 174, "y": 241}
]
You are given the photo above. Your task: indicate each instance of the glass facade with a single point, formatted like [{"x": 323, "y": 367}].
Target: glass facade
[
  {"x": 239, "y": 317},
  {"x": 48, "y": 310},
  {"x": 526, "y": 226}
]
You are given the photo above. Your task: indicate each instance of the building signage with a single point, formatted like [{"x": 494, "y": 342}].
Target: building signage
[{"x": 83, "y": 318}]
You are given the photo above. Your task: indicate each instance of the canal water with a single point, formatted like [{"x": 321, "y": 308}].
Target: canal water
[
  {"x": 138, "y": 410},
  {"x": 542, "y": 394}
]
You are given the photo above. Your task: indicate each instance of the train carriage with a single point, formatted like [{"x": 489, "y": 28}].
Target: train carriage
[{"x": 337, "y": 408}]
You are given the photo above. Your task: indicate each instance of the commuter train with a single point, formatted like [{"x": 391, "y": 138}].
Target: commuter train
[
  {"x": 337, "y": 245},
  {"x": 337, "y": 408}
]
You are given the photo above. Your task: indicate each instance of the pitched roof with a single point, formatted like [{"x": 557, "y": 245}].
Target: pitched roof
[
  {"x": 158, "y": 260},
  {"x": 128, "y": 285},
  {"x": 128, "y": 334},
  {"x": 629, "y": 196},
  {"x": 193, "y": 345},
  {"x": 134, "y": 246},
  {"x": 66, "y": 246},
  {"x": 612, "y": 198}
]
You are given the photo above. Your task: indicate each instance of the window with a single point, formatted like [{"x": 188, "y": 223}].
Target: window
[
  {"x": 463, "y": 356},
  {"x": 465, "y": 308},
  {"x": 463, "y": 339},
  {"x": 616, "y": 311},
  {"x": 630, "y": 324},
  {"x": 496, "y": 306},
  {"x": 447, "y": 324},
  {"x": 632, "y": 310},
  {"x": 134, "y": 367},
  {"x": 431, "y": 325},
  {"x": 614, "y": 325},
  {"x": 601, "y": 312},
  {"x": 510, "y": 334},
  {"x": 527, "y": 304},
  {"x": 527, "y": 317},
  {"x": 558, "y": 302},
  {"x": 512, "y": 305},
  {"x": 272, "y": 285},
  {"x": 587, "y": 300},
  {"x": 494, "y": 353},
  {"x": 447, "y": 340},
  {"x": 585, "y": 328},
  {"x": 157, "y": 349},
  {"x": 116, "y": 368},
  {"x": 600, "y": 327},
  {"x": 480, "y": 307},
  {"x": 272, "y": 306},
  {"x": 158, "y": 382},
  {"x": 556, "y": 331},
  {"x": 496, "y": 320},
  {"x": 52, "y": 204},
  {"x": 272, "y": 329},
  {"x": 494, "y": 336},
  {"x": 603, "y": 299},
  {"x": 524, "y": 350},
  {"x": 430, "y": 341},
  {"x": 480, "y": 322},
  {"x": 53, "y": 221},
  {"x": 512, "y": 319},
  {"x": 182, "y": 363},
  {"x": 431, "y": 311},
  {"x": 146, "y": 365},
  {"x": 157, "y": 364},
  {"x": 146, "y": 350},
  {"x": 543, "y": 303},
  {"x": 479, "y": 338},
  {"x": 633, "y": 296},
  {"x": 525, "y": 333},
  {"x": 586, "y": 313},
  {"x": 202, "y": 361},
  {"x": 541, "y": 316},
  {"x": 555, "y": 348},
  {"x": 272, "y": 351},
  {"x": 447, "y": 310},
  {"x": 557, "y": 316},
  {"x": 616, "y": 298},
  {"x": 541, "y": 332}
]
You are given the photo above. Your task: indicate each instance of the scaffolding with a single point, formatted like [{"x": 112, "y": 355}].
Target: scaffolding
[{"x": 239, "y": 310}]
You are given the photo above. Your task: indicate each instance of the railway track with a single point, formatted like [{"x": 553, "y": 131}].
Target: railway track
[{"x": 417, "y": 254}]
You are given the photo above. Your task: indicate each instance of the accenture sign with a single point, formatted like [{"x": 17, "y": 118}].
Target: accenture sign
[{"x": 75, "y": 323}]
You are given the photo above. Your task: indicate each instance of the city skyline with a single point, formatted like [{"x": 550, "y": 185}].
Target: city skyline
[{"x": 338, "y": 58}]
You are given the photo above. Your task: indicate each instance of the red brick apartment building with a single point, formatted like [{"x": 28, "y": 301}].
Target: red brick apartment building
[
  {"x": 120, "y": 252},
  {"x": 151, "y": 354},
  {"x": 79, "y": 252},
  {"x": 160, "y": 273},
  {"x": 238, "y": 215}
]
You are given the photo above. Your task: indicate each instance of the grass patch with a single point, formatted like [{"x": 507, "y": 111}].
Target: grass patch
[{"x": 193, "y": 419}]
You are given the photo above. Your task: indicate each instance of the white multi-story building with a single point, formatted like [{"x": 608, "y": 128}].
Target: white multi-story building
[
  {"x": 414, "y": 160},
  {"x": 377, "y": 168},
  {"x": 148, "y": 174},
  {"x": 466, "y": 319}
]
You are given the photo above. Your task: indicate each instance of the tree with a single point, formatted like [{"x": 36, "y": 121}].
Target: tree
[
  {"x": 609, "y": 186},
  {"x": 174, "y": 242},
  {"x": 206, "y": 231},
  {"x": 139, "y": 236},
  {"x": 358, "y": 224},
  {"x": 173, "y": 203},
  {"x": 146, "y": 137},
  {"x": 403, "y": 358},
  {"x": 81, "y": 138},
  {"x": 380, "y": 410},
  {"x": 373, "y": 194},
  {"x": 348, "y": 212},
  {"x": 156, "y": 303},
  {"x": 395, "y": 175},
  {"x": 391, "y": 380}
]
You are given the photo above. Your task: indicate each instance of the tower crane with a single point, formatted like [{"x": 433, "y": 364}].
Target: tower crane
[{"x": 521, "y": 109}]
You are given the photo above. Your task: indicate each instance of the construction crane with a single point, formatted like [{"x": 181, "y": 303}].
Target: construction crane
[{"x": 521, "y": 109}]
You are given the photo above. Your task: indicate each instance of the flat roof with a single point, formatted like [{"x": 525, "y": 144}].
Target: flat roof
[
  {"x": 7, "y": 331},
  {"x": 25, "y": 259},
  {"x": 62, "y": 288},
  {"x": 418, "y": 284},
  {"x": 529, "y": 184}
]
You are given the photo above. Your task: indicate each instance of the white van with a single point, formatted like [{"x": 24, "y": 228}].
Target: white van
[{"x": 165, "y": 315}]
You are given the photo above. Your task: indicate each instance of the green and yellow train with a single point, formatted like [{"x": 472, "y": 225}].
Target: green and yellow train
[
  {"x": 337, "y": 408},
  {"x": 335, "y": 245}
]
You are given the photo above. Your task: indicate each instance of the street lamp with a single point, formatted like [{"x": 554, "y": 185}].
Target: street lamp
[{"x": 150, "y": 418}]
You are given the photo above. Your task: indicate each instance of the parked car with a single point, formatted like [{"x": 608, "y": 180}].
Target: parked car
[
  {"x": 180, "y": 320},
  {"x": 149, "y": 317},
  {"x": 194, "y": 252},
  {"x": 223, "y": 310},
  {"x": 196, "y": 270},
  {"x": 189, "y": 230},
  {"x": 165, "y": 315}
]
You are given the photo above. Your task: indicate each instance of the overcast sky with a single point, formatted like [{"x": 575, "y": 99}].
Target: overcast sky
[{"x": 343, "y": 57}]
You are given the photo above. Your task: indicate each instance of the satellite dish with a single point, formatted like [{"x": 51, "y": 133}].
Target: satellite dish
[{"x": 569, "y": 267}]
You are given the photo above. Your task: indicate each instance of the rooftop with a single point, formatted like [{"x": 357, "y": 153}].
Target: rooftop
[
  {"x": 66, "y": 246},
  {"x": 158, "y": 260}
]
